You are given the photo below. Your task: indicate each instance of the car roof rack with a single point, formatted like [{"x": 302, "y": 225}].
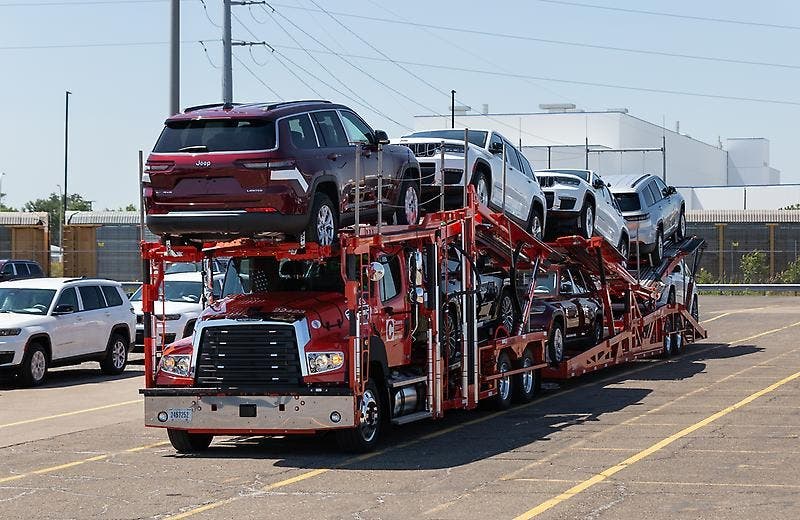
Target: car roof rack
[
  {"x": 208, "y": 105},
  {"x": 273, "y": 106},
  {"x": 639, "y": 179}
]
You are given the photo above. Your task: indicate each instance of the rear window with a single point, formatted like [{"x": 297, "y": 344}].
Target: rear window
[
  {"x": 112, "y": 296},
  {"x": 628, "y": 201},
  {"x": 35, "y": 270},
  {"x": 92, "y": 298},
  {"x": 216, "y": 135},
  {"x": 22, "y": 269}
]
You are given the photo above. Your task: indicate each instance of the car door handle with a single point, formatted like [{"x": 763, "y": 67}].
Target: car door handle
[{"x": 334, "y": 156}]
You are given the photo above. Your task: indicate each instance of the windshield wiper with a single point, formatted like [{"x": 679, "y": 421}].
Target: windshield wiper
[{"x": 195, "y": 148}]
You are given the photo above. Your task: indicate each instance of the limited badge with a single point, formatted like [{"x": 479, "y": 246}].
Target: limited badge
[{"x": 390, "y": 330}]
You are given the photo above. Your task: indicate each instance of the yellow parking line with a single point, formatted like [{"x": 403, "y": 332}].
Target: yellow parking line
[
  {"x": 52, "y": 469},
  {"x": 68, "y": 414},
  {"x": 600, "y": 477}
]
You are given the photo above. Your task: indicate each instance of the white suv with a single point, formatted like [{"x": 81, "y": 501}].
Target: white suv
[
  {"x": 47, "y": 322},
  {"x": 524, "y": 199}
]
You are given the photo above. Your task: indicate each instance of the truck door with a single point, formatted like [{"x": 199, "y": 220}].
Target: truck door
[{"x": 393, "y": 319}]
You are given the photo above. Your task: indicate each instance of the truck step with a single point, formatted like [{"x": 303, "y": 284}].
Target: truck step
[
  {"x": 397, "y": 383},
  {"x": 405, "y": 419}
]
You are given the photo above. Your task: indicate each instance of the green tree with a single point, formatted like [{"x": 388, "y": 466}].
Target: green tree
[
  {"x": 791, "y": 274},
  {"x": 53, "y": 205},
  {"x": 754, "y": 267}
]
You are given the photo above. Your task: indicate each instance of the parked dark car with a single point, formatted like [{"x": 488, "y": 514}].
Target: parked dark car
[
  {"x": 243, "y": 170},
  {"x": 568, "y": 306},
  {"x": 18, "y": 269}
]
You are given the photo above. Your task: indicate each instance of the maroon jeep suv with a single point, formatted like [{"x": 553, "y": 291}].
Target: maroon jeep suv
[{"x": 221, "y": 171}]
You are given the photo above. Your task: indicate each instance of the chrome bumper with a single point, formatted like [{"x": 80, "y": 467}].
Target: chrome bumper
[{"x": 251, "y": 414}]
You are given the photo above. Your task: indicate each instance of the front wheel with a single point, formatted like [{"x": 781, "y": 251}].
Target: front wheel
[
  {"x": 408, "y": 202},
  {"x": 116, "y": 355},
  {"x": 34, "y": 365},
  {"x": 185, "y": 442},
  {"x": 587, "y": 220},
  {"x": 324, "y": 221},
  {"x": 364, "y": 437},
  {"x": 482, "y": 188},
  {"x": 535, "y": 228},
  {"x": 555, "y": 344}
]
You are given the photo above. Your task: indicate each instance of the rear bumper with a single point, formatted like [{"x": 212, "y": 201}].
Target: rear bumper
[
  {"x": 233, "y": 414},
  {"x": 229, "y": 223}
]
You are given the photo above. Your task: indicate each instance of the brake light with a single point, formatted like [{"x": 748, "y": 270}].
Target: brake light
[
  {"x": 157, "y": 167},
  {"x": 147, "y": 191},
  {"x": 270, "y": 165}
]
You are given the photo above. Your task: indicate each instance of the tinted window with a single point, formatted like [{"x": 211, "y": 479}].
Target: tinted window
[
  {"x": 8, "y": 268},
  {"x": 526, "y": 166},
  {"x": 628, "y": 201},
  {"x": 216, "y": 135},
  {"x": 657, "y": 195},
  {"x": 495, "y": 141},
  {"x": 22, "y": 269},
  {"x": 25, "y": 301},
  {"x": 35, "y": 270},
  {"x": 474, "y": 137},
  {"x": 659, "y": 183},
  {"x": 356, "y": 129},
  {"x": 390, "y": 283},
  {"x": 578, "y": 284},
  {"x": 329, "y": 129},
  {"x": 68, "y": 297},
  {"x": 112, "y": 296},
  {"x": 301, "y": 132},
  {"x": 511, "y": 157},
  {"x": 92, "y": 297},
  {"x": 648, "y": 196}
]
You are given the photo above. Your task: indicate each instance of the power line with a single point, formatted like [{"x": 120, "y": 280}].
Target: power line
[
  {"x": 257, "y": 77},
  {"x": 569, "y": 43},
  {"x": 91, "y": 45},
  {"x": 674, "y": 15},
  {"x": 83, "y": 2}
]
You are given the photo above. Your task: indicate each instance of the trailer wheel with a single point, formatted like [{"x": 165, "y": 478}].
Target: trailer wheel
[
  {"x": 364, "y": 437},
  {"x": 555, "y": 343},
  {"x": 185, "y": 442},
  {"x": 505, "y": 385},
  {"x": 527, "y": 385}
]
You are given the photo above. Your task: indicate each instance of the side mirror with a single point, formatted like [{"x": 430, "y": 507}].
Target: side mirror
[
  {"x": 417, "y": 295},
  {"x": 496, "y": 147},
  {"x": 598, "y": 183},
  {"x": 415, "y": 275},
  {"x": 381, "y": 137},
  {"x": 63, "y": 309},
  {"x": 376, "y": 271},
  {"x": 565, "y": 289}
]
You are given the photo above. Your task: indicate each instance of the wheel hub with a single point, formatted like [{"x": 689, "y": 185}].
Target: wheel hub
[{"x": 325, "y": 226}]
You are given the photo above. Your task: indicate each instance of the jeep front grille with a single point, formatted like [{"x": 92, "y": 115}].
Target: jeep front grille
[{"x": 248, "y": 356}]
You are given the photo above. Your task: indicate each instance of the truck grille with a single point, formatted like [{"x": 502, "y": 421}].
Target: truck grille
[
  {"x": 248, "y": 356},
  {"x": 546, "y": 181},
  {"x": 424, "y": 149}
]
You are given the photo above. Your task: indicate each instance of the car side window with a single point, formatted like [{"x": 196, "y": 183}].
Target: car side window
[
  {"x": 565, "y": 284},
  {"x": 68, "y": 297},
  {"x": 329, "y": 129},
  {"x": 112, "y": 296},
  {"x": 526, "y": 166},
  {"x": 389, "y": 286},
  {"x": 648, "y": 196},
  {"x": 8, "y": 268},
  {"x": 357, "y": 130},
  {"x": 92, "y": 297},
  {"x": 657, "y": 195},
  {"x": 495, "y": 140},
  {"x": 35, "y": 270},
  {"x": 511, "y": 157},
  {"x": 660, "y": 186},
  {"x": 22, "y": 269},
  {"x": 579, "y": 285},
  {"x": 301, "y": 132}
]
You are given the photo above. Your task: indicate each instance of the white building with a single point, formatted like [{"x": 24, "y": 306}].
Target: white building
[{"x": 558, "y": 137}]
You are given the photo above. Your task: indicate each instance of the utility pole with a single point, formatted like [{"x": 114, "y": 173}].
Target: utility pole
[
  {"x": 175, "y": 58},
  {"x": 452, "y": 109},
  {"x": 66, "y": 150},
  {"x": 227, "y": 65}
]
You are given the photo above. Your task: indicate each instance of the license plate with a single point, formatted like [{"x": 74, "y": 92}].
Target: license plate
[{"x": 179, "y": 415}]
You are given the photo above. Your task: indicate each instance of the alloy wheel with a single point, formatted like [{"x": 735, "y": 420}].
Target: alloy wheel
[
  {"x": 118, "y": 354},
  {"x": 589, "y": 222},
  {"x": 38, "y": 365},
  {"x": 504, "y": 383},
  {"x": 368, "y": 416},
  {"x": 411, "y": 204},
  {"x": 325, "y": 226},
  {"x": 507, "y": 313},
  {"x": 482, "y": 191},
  {"x": 527, "y": 377},
  {"x": 558, "y": 344}
]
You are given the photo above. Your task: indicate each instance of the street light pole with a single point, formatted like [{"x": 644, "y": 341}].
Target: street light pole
[
  {"x": 60, "y": 231},
  {"x": 1, "y": 187},
  {"x": 175, "y": 57},
  {"x": 66, "y": 152}
]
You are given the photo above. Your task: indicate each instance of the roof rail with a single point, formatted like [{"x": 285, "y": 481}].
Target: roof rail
[
  {"x": 639, "y": 179},
  {"x": 273, "y": 106},
  {"x": 68, "y": 280},
  {"x": 208, "y": 105}
]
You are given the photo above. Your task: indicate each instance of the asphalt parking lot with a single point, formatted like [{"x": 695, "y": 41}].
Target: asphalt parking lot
[{"x": 712, "y": 434}]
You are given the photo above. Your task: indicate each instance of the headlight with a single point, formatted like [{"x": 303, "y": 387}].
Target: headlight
[
  {"x": 10, "y": 332},
  {"x": 538, "y": 310},
  {"x": 170, "y": 317},
  {"x": 176, "y": 364},
  {"x": 566, "y": 181},
  {"x": 319, "y": 362}
]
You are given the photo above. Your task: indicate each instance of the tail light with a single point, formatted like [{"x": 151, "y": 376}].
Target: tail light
[
  {"x": 147, "y": 191},
  {"x": 269, "y": 165},
  {"x": 158, "y": 167}
]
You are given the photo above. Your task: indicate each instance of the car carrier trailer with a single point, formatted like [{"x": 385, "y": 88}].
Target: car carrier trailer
[{"x": 399, "y": 343}]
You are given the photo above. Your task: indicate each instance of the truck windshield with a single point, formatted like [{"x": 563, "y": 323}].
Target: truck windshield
[
  {"x": 475, "y": 137},
  {"x": 216, "y": 135},
  {"x": 628, "y": 201},
  {"x": 26, "y": 301},
  {"x": 259, "y": 275}
]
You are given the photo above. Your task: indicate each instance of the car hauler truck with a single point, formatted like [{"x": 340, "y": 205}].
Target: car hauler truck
[{"x": 382, "y": 328}]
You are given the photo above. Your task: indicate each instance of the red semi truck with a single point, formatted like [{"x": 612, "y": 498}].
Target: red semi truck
[{"x": 392, "y": 326}]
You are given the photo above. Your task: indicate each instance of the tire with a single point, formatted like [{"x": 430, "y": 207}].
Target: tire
[
  {"x": 586, "y": 222},
  {"x": 483, "y": 188},
  {"x": 505, "y": 385},
  {"x": 506, "y": 312},
  {"x": 323, "y": 223},
  {"x": 364, "y": 438},
  {"x": 680, "y": 231},
  {"x": 408, "y": 203},
  {"x": 669, "y": 341},
  {"x": 34, "y": 365},
  {"x": 116, "y": 355},
  {"x": 185, "y": 442},
  {"x": 658, "y": 252},
  {"x": 695, "y": 312},
  {"x": 535, "y": 224},
  {"x": 555, "y": 343},
  {"x": 527, "y": 385},
  {"x": 598, "y": 331},
  {"x": 624, "y": 247},
  {"x": 452, "y": 338}
]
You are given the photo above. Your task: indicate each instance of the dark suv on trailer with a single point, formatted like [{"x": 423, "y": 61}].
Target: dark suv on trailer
[{"x": 246, "y": 170}]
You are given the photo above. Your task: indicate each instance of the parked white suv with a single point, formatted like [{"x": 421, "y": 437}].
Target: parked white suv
[
  {"x": 524, "y": 199},
  {"x": 47, "y": 322},
  {"x": 580, "y": 201},
  {"x": 181, "y": 307}
]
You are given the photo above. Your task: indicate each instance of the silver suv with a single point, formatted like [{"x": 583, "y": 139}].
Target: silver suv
[{"x": 653, "y": 211}]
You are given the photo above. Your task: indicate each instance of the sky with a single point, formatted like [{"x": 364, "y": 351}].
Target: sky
[{"x": 113, "y": 56}]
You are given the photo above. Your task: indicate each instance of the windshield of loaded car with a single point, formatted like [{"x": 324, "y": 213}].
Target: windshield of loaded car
[
  {"x": 259, "y": 274},
  {"x": 216, "y": 135},
  {"x": 545, "y": 284},
  {"x": 475, "y": 137},
  {"x": 26, "y": 301},
  {"x": 177, "y": 291},
  {"x": 628, "y": 201},
  {"x": 583, "y": 174}
]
